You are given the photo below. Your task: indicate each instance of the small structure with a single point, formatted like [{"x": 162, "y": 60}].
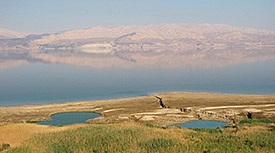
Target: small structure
[{"x": 160, "y": 102}]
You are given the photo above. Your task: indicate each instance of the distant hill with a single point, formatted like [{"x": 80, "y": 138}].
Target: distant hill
[
  {"x": 9, "y": 34},
  {"x": 160, "y": 37}
]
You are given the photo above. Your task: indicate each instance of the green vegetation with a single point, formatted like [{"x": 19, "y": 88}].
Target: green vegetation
[
  {"x": 209, "y": 130},
  {"x": 155, "y": 126},
  {"x": 32, "y": 121},
  {"x": 4, "y": 146},
  {"x": 251, "y": 121},
  {"x": 149, "y": 138},
  {"x": 26, "y": 121},
  {"x": 60, "y": 125},
  {"x": 19, "y": 122}
]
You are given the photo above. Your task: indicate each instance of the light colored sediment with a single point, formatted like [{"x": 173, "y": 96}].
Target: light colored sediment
[
  {"x": 111, "y": 110},
  {"x": 228, "y": 107}
]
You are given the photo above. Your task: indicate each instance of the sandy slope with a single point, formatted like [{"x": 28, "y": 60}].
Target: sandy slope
[{"x": 15, "y": 134}]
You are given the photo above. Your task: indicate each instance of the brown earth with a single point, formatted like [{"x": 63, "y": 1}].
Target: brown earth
[{"x": 15, "y": 134}]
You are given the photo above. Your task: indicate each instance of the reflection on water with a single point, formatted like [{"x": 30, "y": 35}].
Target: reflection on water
[
  {"x": 36, "y": 77},
  {"x": 202, "y": 124},
  {"x": 69, "y": 118},
  {"x": 165, "y": 59}
]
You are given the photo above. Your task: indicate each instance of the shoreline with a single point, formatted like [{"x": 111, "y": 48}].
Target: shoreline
[
  {"x": 183, "y": 107},
  {"x": 126, "y": 97}
]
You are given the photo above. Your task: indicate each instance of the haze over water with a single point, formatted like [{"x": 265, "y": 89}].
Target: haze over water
[{"x": 28, "y": 80}]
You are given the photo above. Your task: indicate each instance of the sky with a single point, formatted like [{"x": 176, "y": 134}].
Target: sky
[{"x": 39, "y": 16}]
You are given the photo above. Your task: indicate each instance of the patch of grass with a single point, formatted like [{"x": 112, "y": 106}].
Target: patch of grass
[
  {"x": 32, "y": 121},
  {"x": 19, "y": 122},
  {"x": 26, "y": 121},
  {"x": 251, "y": 121},
  {"x": 60, "y": 125},
  {"x": 157, "y": 144},
  {"x": 147, "y": 138},
  {"x": 154, "y": 126},
  {"x": 208, "y": 130}
]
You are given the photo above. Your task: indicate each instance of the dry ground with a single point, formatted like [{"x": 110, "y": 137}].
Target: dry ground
[
  {"x": 183, "y": 106},
  {"x": 15, "y": 134}
]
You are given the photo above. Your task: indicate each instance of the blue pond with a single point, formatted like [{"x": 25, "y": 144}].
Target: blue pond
[
  {"x": 201, "y": 124},
  {"x": 69, "y": 118}
]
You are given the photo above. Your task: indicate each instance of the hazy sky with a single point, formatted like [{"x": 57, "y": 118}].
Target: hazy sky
[{"x": 59, "y": 15}]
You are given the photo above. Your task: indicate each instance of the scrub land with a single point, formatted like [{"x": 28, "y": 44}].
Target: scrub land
[{"x": 142, "y": 121}]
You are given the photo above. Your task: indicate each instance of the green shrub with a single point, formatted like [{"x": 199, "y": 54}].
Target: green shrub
[
  {"x": 32, "y": 121},
  {"x": 250, "y": 121},
  {"x": 155, "y": 126}
]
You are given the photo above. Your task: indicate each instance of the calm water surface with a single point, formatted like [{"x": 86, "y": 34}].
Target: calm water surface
[
  {"x": 39, "y": 82},
  {"x": 69, "y": 118},
  {"x": 202, "y": 124}
]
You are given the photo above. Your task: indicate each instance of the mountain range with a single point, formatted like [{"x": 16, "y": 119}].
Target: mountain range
[
  {"x": 142, "y": 38},
  {"x": 154, "y": 46}
]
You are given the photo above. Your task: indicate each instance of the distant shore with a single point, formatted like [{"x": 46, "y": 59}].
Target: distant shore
[{"x": 183, "y": 107}]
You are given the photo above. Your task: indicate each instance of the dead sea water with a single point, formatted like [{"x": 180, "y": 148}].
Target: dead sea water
[
  {"x": 202, "y": 124},
  {"x": 25, "y": 79},
  {"x": 69, "y": 118}
]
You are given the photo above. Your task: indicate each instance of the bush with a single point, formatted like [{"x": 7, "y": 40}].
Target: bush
[
  {"x": 32, "y": 121},
  {"x": 251, "y": 121},
  {"x": 155, "y": 126}
]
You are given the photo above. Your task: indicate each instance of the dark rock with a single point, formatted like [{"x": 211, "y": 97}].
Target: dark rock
[{"x": 249, "y": 115}]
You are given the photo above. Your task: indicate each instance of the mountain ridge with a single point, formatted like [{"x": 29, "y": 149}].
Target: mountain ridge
[
  {"x": 10, "y": 34},
  {"x": 158, "y": 37}
]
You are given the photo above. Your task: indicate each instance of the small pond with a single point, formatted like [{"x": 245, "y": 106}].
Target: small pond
[
  {"x": 201, "y": 124},
  {"x": 69, "y": 118}
]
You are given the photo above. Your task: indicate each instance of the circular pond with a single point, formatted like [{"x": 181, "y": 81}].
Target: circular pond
[
  {"x": 69, "y": 118},
  {"x": 201, "y": 124}
]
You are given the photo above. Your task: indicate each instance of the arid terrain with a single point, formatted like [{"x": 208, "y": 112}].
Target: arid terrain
[
  {"x": 182, "y": 107},
  {"x": 143, "y": 38}
]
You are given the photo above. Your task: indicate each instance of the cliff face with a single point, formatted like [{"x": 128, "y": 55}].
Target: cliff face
[{"x": 162, "y": 37}]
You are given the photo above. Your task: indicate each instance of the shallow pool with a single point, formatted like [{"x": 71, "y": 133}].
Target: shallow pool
[
  {"x": 69, "y": 118},
  {"x": 201, "y": 124}
]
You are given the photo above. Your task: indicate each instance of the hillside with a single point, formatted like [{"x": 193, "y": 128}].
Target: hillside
[
  {"x": 161, "y": 37},
  {"x": 129, "y": 137},
  {"x": 9, "y": 34}
]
